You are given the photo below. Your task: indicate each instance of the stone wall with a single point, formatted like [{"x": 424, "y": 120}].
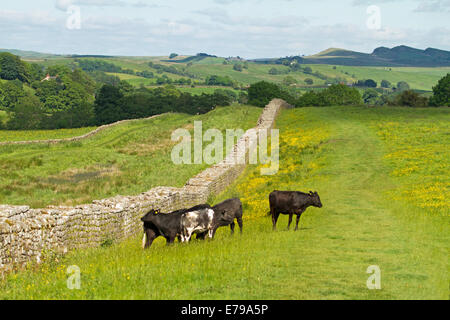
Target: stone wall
[
  {"x": 78, "y": 138},
  {"x": 25, "y": 233}
]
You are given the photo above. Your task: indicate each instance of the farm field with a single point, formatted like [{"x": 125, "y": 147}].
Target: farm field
[
  {"x": 418, "y": 78},
  {"x": 382, "y": 174},
  {"x": 126, "y": 159}
]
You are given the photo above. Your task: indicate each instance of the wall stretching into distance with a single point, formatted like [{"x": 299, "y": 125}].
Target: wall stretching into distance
[
  {"x": 25, "y": 233},
  {"x": 73, "y": 139}
]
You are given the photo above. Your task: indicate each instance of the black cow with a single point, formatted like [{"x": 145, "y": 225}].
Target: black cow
[
  {"x": 291, "y": 202},
  {"x": 167, "y": 225},
  {"x": 224, "y": 215}
]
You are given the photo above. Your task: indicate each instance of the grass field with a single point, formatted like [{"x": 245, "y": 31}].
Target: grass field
[
  {"x": 373, "y": 214},
  {"x": 27, "y": 135},
  {"x": 126, "y": 159}
]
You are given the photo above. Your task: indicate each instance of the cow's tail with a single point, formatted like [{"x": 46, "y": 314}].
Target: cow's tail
[{"x": 144, "y": 240}]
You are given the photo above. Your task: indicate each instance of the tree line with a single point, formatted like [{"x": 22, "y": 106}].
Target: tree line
[
  {"x": 261, "y": 93},
  {"x": 71, "y": 98}
]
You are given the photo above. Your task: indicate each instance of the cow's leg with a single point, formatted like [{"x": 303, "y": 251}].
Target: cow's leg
[
  {"x": 298, "y": 220},
  {"x": 211, "y": 233},
  {"x": 201, "y": 236},
  {"x": 184, "y": 236},
  {"x": 149, "y": 236},
  {"x": 187, "y": 236},
  {"x": 232, "y": 227},
  {"x": 169, "y": 240},
  {"x": 275, "y": 216},
  {"x": 290, "y": 220},
  {"x": 239, "y": 221}
]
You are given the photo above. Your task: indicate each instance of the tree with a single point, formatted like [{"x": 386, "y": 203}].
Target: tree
[
  {"x": 311, "y": 98},
  {"x": 173, "y": 55},
  {"x": 441, "y": 92},
  {"x": 370, "y": 96},
  {"x": 107, "y": 107},
  {"x": 11, "y": 68},
  {"x": 10, "y": 93},
  {"x": 237, "y": 67},
  {"x": 339, "y": 95},
  {"x": 243, "y": 97},
  {"x": 309, "y": 81},
  {"x": 261, "y": 93},
  {"x": 385, "y": 84},
  {"x": 335, "y": 95},
  {"x": 229, "y": 93},
  {"x": 370, "y": 83},
  {"x": 28, "y": 114},
  {"x": 402, "y": 86}
]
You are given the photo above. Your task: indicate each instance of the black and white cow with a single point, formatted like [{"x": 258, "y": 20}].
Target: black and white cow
[
  {"x": 199, "y": 220},
  {"x": 167, "y": 225}
]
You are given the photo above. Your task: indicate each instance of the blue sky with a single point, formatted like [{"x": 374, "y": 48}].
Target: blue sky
[{"x": 248, "y": 28}]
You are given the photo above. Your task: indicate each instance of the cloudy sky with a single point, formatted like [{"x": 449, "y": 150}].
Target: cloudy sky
[{"x": 248, "y": 28}]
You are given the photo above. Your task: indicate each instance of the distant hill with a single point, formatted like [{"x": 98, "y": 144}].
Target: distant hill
[
  {"x": 30, "y": 54},
  {"x": 401, "y": 56}
]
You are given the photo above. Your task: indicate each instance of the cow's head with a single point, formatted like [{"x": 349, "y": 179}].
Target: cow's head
[
  {"x": 315, "y": 199},
  {"x": 149, "y": 215}
]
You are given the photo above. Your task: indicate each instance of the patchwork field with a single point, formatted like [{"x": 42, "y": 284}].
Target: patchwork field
[
  {"x": 126, "y": 159},
  {"x": 382, "y": 174},
  {"x": 417, "y": 78}
]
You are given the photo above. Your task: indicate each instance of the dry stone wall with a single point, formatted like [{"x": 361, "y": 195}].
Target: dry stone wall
[
  {"x": 25, "y": 233},
  {"x": 78, "y": 138}
]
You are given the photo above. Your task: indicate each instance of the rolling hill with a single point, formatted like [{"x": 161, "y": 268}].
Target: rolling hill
[{"x": 401, "y": 56}]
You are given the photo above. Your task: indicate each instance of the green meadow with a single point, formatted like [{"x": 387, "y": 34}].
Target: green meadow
[{"x": 374, "y": 212}]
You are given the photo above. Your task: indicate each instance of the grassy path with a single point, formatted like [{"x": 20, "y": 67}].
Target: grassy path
[{"x": 327, "y": 259}]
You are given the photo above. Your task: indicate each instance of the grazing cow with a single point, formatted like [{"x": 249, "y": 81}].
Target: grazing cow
[
  {"x": 167, "y": 225},
  {"x": 198, "y": 220},
  {"x": 224, "y": 215},
  {"x": 291, "y": 202}
]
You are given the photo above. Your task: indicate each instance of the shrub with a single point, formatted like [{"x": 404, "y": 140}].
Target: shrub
[{"x": 410, "y": 98}]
